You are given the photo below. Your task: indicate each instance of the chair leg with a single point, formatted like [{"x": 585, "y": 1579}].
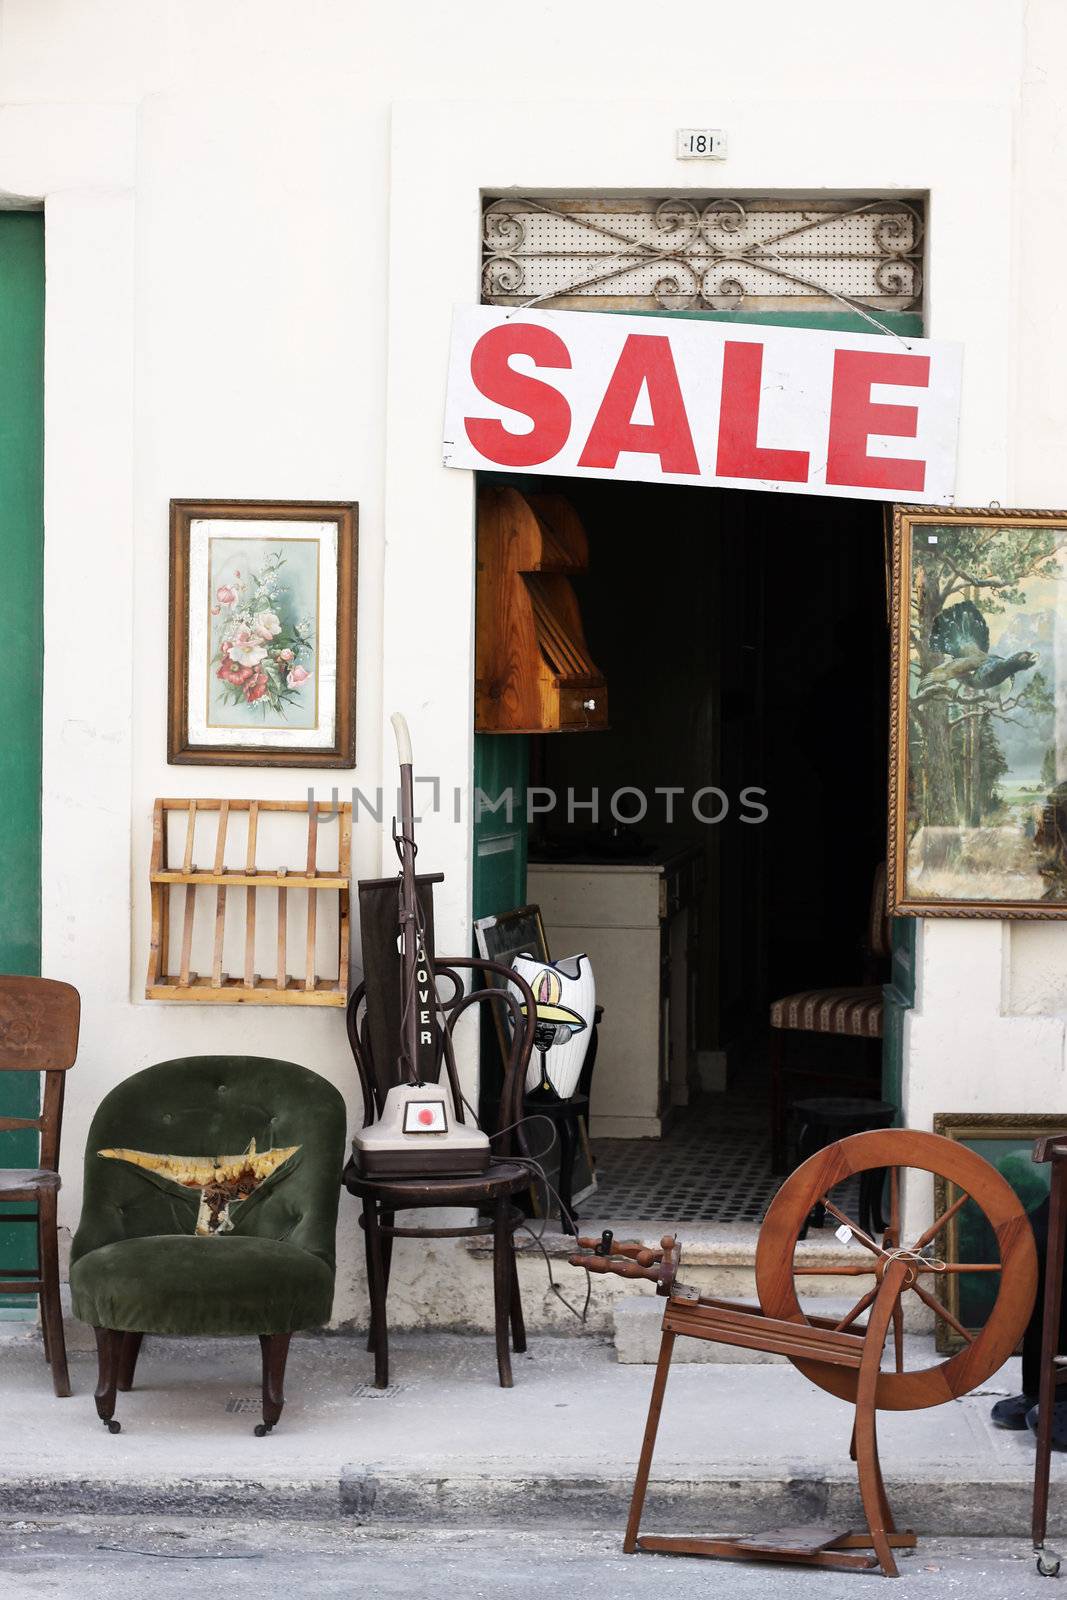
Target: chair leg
[
  {"x": 1050, "y": 1345},
  {"x": 518, "y": 1322},
  {"x": 386, "y": 1220},
  {"x": 40, "y": 1274},
  {"x": 376, "y": 1284},
  {"x": 503, "y": 1265},
  {"x": 567, "y": 1129},
  {"x": 108, "y": 1349},
  {"x": 131, "y": 1349},
  {"x": 275, "y": 1351},
  {"x": 51, "y": 1307},
  {"x": 777, "y": 1059}
]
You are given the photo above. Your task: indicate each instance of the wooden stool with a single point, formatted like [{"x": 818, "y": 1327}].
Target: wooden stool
[
  {"x": 564, "y": 1116},
  {"x": 842, "y": 1356},
  {"x": 829, "y": 1117},
  {"x": 39, "y": 1021}
]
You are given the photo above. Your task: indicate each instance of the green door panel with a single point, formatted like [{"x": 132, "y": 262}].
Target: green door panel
[
  {"x": 501, "y": 774},
  {"x": 22, "y": 629},
  {"x": 899, "y": 999}
]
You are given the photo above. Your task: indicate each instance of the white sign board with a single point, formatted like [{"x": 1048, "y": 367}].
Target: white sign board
[
  {"x": 700, "y": 144},
  {"x": 585, "y": 394}
]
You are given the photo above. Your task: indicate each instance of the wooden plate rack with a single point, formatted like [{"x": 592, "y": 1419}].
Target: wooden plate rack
[{"x": 283, "y": 987}]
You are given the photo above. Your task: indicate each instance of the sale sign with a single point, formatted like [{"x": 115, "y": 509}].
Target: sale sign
[{"x": 676, "y": 400}]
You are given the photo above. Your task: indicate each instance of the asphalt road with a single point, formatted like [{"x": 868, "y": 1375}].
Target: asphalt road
[{"x": 174, "y": 1559}]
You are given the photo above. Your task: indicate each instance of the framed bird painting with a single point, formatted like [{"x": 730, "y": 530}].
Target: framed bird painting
[{"x": 978, "y": 735}]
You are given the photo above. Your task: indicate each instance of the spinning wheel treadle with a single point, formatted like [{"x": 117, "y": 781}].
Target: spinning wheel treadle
[{"x": 842, "y": 1355}]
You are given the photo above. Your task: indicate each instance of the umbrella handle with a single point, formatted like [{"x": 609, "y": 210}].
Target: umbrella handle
[{"x": 403, "y": 738}]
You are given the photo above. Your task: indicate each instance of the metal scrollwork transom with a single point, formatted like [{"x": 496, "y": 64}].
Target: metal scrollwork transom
[{"x": 716, "y": 254}]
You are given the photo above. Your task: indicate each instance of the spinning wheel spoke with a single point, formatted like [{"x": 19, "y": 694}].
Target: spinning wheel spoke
[
  {"x": 853, "y": 1227},
  {"x": 943, "y": 1312},
  {"x": 851, "y": 1271},
  {"x": 894, "y": 1203},
  {"x": 857, "y": 1310},
  {"x": 961, "y": 1266},
  {"x": 935, "y": 1227},
  {"x": 898, "y": 1336}
]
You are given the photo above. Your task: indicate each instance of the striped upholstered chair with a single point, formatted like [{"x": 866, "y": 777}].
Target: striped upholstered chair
[{"x": 855, "y": 1012}]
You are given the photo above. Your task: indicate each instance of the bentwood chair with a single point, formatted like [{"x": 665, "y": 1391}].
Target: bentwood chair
[
  {"x": 211, "y": 1192},
  {"x": 855, "y": 1012},
  {"x": 490, "y": 1193},
  {"x": 39, "y": 1021}
]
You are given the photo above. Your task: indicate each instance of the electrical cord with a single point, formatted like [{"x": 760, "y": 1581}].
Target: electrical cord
[{"x": 533, "y": 1164}]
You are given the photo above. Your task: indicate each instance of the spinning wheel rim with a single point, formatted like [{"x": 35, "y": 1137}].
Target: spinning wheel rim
[{"x": 924, "y": 1152}]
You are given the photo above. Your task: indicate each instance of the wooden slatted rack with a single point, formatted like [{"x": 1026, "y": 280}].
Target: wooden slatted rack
[{"x": 282, "y": 987}]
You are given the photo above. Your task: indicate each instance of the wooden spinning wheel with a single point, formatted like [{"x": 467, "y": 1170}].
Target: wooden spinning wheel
[
  {"x": 843, "y": 1355},
  {"x": 899, "y": 1150}
]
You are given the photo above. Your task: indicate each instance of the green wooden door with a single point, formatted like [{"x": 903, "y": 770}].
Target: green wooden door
[
  {"x": 501, "y": 773},
  {"x": 21, "y": 628}
]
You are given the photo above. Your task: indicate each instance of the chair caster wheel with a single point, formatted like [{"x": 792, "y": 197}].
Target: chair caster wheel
[
  {"x": 1048, "y": 1564},
  {"x": 112, "y": 1426},
  {"x": 261, "y": 1429}
]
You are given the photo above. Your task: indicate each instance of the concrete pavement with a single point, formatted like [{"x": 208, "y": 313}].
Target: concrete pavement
[
  {"x": 746, "y": 1447},
  {"x": 97, "y": 1559}
]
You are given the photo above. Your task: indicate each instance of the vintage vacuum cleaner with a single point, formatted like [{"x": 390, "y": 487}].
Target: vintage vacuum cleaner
[{"x": 417, "y": 1134}]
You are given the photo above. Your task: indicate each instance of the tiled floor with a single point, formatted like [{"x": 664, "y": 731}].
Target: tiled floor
[{"x": 714, "y": 1165}]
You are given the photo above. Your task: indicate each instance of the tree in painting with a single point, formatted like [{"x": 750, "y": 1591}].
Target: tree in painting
[{"x": 981, "y": 707}]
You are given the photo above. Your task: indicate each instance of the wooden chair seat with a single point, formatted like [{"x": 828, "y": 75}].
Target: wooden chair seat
[
  {"x": 409, "y": 1194},
  {"x": 855, "y": 1011},
  {"x": 26, "y": 1183}
]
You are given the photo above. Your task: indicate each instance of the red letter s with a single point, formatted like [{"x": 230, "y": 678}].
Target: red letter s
[{"x": 496, "y": 379}]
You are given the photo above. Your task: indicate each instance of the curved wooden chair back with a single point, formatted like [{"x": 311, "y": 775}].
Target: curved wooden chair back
[
  {"x": 449, "y": 1008},
  {"x": 39, "y": 1025}
]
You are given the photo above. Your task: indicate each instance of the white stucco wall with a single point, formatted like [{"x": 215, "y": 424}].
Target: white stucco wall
[{"x": 259, "y": 214}]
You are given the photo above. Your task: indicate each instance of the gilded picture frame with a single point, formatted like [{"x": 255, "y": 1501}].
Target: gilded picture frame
[
  {"x": 977, "y": 763},
  {"x": 262, "y": 650},
  {"x": 1006, "y": 1141}
]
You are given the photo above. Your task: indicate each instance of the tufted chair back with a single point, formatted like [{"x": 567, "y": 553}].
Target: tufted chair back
[{"x": 206, "y": 1106}]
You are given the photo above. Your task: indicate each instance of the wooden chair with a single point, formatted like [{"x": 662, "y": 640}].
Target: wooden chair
[
  {"x": 39, "y": 1020},
  {"x": 842, "y": 1355},
  {"x": 490, "y": 1192},
  {"x": 1053, "y": 1364},
  {"x": 855, "y": 1012}
]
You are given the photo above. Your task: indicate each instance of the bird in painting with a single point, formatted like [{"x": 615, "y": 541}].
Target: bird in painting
[{"x": 961, "y": 633}]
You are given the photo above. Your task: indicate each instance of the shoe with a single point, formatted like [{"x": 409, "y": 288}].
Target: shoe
[
  {"x": 1059, "y": 1423},
  {"x": 1012, "y": 1413}
]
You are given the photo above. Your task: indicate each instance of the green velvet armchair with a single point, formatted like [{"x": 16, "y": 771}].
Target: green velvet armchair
[{"x": 210, "y": 1207}]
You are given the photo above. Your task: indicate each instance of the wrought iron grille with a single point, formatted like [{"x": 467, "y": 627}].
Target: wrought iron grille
[{"x": 712, "y": 254}]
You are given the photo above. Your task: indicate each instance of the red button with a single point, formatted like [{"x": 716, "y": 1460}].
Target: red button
[{"x": 426, "y": 1118}]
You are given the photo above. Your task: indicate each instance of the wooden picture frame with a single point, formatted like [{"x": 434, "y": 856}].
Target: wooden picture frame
[
  {"x": 1008, "y": 1141},
  {"x": 501, "y": 938},
  {"x": 262, "y": 633},
  {"x": 977, "y": 774}
]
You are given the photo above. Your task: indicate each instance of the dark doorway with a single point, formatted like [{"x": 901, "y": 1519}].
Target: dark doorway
[{"x": 744, "y": 641}]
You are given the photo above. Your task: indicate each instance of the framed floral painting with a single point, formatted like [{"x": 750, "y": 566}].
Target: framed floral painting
[
  {"x": 262, "y": 633},
  {"x": 978, "y": 738}
]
